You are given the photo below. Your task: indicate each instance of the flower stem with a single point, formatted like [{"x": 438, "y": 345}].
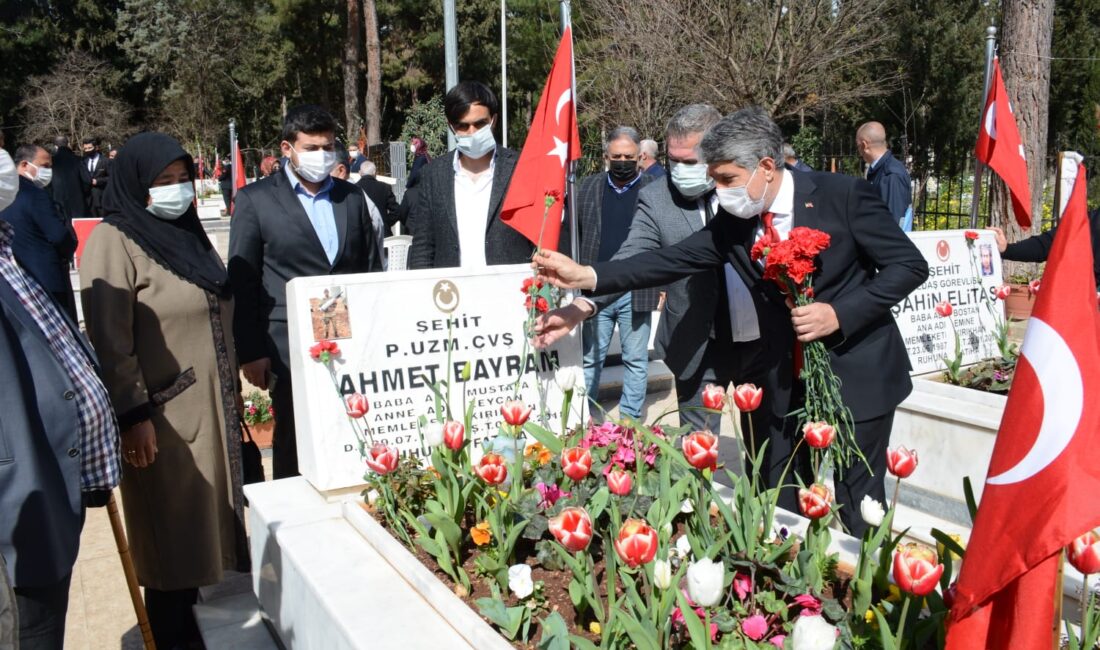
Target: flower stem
[{"x": 900, "y": 638}]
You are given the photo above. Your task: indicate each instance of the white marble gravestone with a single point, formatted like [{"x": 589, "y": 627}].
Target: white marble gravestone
[
  {"x": 400, "y": 332},
  {"x": 967, "y": 276}
]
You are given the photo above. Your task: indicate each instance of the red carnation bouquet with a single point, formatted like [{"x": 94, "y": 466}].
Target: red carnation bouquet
[{"x": 791, "y": 264}]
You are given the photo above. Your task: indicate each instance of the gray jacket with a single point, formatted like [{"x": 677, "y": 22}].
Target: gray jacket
[{"x": 663, "y": 218}]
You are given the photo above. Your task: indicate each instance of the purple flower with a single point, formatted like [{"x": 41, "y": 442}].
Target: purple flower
[{"x": 550, "y": 494}]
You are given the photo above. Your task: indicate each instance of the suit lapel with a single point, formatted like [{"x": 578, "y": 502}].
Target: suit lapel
[
  {"x": 803, "y": 211},
  {"x": 286, "y": 197},
  {"x": 446, "y": 188},
  {"x": 339, "y": 199},
  {"x": 502, "y": 174}
]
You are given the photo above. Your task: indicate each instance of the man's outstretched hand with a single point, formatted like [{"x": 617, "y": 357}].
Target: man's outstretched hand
[
  {"x": 555, "y": 324},
  {"x": 562, "y": 272}
]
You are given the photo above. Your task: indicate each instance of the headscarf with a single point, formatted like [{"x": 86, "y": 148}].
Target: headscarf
[
  {"x": 420, "y": 148},
  {"x": 267, "y": 165},
  {"x": 181, "y": 246}
]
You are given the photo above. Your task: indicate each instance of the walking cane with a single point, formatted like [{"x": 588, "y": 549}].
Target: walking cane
[{"x": 131, "y": 574}]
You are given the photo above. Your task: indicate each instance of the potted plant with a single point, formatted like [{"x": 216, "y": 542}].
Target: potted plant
[
  {"x": 1023, "y": 284},
  {"x": 259, "y": 415}
]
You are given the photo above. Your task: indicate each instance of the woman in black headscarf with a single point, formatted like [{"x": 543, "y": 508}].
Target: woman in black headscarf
[{"x": 159, "y": 314}]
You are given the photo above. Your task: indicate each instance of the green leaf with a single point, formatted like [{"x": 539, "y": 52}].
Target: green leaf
[
  {"x": 444, "y": 524},
  {"x": 546, "y": 437},
  {"x": 508, "y": 619},
  {"x": 576, "y": 592},
  {"x": 699, "y": 636},
  {"x": 642, "y": 633},
  {"x": 971, "y": 502},
  {"x": 581, "y": 643},
  {"x": 886, "y": 635},
  {"x": 555, "y": 633},
  {"x": 598, "y": 502}
]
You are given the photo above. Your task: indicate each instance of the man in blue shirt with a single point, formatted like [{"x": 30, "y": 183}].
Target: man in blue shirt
[{"x": 886, "y": 173}]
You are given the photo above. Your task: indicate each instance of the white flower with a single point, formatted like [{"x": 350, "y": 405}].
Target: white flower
[
  {"x": 813, "y": 633},
  {"x": 433, "y": 434},
  {"x": 683, "y": 546},
  {"x": 667, "y": 528},
  {"x": 519, "y": 580},
  {"x": 568, "y": 377},
  {"x": 687, "y": 506},
  {"x": 372, "y": 496},
  {"x": 872, "y": 511},
  {"x": 248, "y": 404},
  {"x": 662, "y": 574},
  {"x": 705, "y": 582}
]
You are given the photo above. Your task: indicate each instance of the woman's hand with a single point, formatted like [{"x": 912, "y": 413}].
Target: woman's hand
[{"x": 139, "y": 444}]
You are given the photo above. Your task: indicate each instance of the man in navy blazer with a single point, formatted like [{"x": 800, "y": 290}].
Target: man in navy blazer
[
  {"x": 869, "y": 266},
  {"x": 44, "y": 240}
]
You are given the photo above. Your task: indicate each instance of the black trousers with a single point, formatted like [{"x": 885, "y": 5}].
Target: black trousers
[
  {"x": 42, "y": 615},
  {"x": 284, "y": 443},
  {"x": 723, "y": 363},
  {"x": 172, "y": 618}
]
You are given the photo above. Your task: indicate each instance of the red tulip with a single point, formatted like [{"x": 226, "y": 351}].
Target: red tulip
[
  {"x": 454, "y": 435},
  {"x": 819, "y": 435},
  {"x": 515, "y": 412},
  {"x": 1003, "y": 292},
  {"x": 576, "y": 462},
  {"x": 701, "y": 450},
  {"x": 636, "y": 543},
  {"x": 492, "y": 468},
  {"x": 901, "y": 461},
  {"x": 916, "y": 570},
  {"x": 572, "y": 528},
  {"x": 714, "y": 397},
  {"x": 1084, "y": 553},
  {"x": 382, "y": 459},
  {"x": 747, "y": 397},
  {"x": 815, "y": 502},
  {"x": 356, "y": 405},
  {"x": 619, "y": 482},
  {"x": 944, "y": 308},
  {"x": 1033, "y": 286},
  {"x": 971, "y": 235}
]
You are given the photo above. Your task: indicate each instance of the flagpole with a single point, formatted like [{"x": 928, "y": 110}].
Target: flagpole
[
  {"x": 571, "y": 177},
  {"x": 990, "y": 50},
  {"x": 503, "y": 74},
  {"x": 450, "y": 55},
  {"x": 233, "y": 171}
]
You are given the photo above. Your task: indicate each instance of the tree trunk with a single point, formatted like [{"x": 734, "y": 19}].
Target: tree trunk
[
  {"x": 1026, "y": 29},
  {"x": 374, "y": 73},
  {"x": 351, "y": 73}
]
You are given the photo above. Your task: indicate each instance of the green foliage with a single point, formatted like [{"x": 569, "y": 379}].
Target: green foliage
[
  {"x": 1075, "y": 77},
  {"x": 426, "y": 121},
  {"x": 807, "y": 144}
]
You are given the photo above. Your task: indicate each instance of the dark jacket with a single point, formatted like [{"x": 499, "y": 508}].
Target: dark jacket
[
  {"x": 891, "y": 179},
  {"x": 1037, "y": 248},
  {"x": 382, "y": 195},
  {"x": 271, "y": 241},
  {"x": 40, "y": 495},
  {"x": 44, "y": 242},
  {"x": 433, "y": 222},
  {"x": 589, "y": 192},
  {"x": 99, "y": 174},
  {"x": 67, "y": 187},
  {"x": 869, "y": 266}
]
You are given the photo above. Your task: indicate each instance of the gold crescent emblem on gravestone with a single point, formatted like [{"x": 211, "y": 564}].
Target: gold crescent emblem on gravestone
[{"x": 445, "y": 296}]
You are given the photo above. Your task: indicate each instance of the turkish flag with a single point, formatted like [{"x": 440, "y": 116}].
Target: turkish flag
[
  {"x": 552, "y": 142},
  {"x": 238, "y": 174},
  {"x": 1000, "y": 147},
  {"x": 217, "y": 173},
  {"x": 1043, "y": 478}
]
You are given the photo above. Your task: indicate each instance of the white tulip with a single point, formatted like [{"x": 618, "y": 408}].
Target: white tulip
[
  {"x": 519, "y": 580},
  {"x": 433, "y": 434},
  {"x": 662, "y": 574},
  {"x": 705, "y": 582},
  {"x": 667, "y": 528},
  {"x": 872, "y": 511},
  {"x": 687, "y": 506},
  {"x": 568, "y": 377},
  {"x": 683, "y": 546},
  {"x": 813, "y": 633},
  {"x": 372, "y": 496}
]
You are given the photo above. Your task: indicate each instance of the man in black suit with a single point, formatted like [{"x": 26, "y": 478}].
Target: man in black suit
[
  {"x": 93, "y": 169},
  {"x": 67, "y": 187},
  {"x": 869, "y": 266},
  {"x": 298, "y": 222},
  {"x": 380, "y": 193},
  {"x": 44, "y": 240},
  {"x": 456, "y": 218}
]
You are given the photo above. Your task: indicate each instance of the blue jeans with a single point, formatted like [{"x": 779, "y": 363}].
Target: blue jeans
[{"x": 634, "y": 339}]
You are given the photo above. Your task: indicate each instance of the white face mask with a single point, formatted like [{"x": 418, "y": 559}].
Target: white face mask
[
  {"x": 9, "y": 180},
  {"x": 691, "y": 179},
  {"x": 736, "y": 200},
  {"x": 42, "y": 175},
  {"x": 314, "y": 166},
  {"x": 478, "y": 144},
  {"x": 170, "y": 202}
]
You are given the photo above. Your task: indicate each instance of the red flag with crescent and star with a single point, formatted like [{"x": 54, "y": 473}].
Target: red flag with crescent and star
[
  {"x": 1043, "y": 478},
  {"x": 1001, "y": 148},
  {"x": 552, "y": 142}
]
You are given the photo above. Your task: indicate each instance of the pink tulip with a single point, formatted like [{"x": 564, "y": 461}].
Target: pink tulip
[
  {"x": 454, "y": 435},
  {"x": 815, "y": 502},
  {"x": 944, "y": 308},
  {"x": 382, "y": 459},
  {"x": 515, "y": 412},
  {"x": 619, "y": 482},
  {"x": 1003, "y": 292},
  {"x": 356, "y": 405},
  {"x": 1033, "y": 286},
  {"x": 819, "y": 435},
  {"x": 1084, "y": 553},
  {"x": 576, "y": 462},
  {"x": 755, "y": 627},
  {"x": 492, "y": 468},
  {"x": 916, "y": 570},
  {"x": 747, "y": 397},
  {"x": 714, "y": 397},
  {"x": 901, "y": 461},
  {"x": 572, "y": 528},
  {"x": 637, "y": 543},
  {"x": 701, "y": 450}
]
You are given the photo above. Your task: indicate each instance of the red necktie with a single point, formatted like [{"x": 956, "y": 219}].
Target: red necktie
[{"x": 771, "y": 235}]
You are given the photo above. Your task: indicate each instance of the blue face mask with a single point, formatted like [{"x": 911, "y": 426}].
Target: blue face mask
[
  {"x": 691, "y": 179},
  {"x": 478, "y": 144},
  {"x": 170, "y": 202}
]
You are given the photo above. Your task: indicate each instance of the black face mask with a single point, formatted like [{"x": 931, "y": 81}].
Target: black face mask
[{"x": 623, "y": 170}]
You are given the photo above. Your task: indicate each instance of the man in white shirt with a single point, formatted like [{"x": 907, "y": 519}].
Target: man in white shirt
[{"x": 455, "y": 221}]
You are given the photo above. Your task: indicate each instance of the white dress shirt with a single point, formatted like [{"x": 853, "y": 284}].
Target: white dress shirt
[
  {"x": 742, "y": 311},
  {"x": 783, "y": 209},
  {"x": 472, "y": 212}
]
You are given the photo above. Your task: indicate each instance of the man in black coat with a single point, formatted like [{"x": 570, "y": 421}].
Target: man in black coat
[
  {"x": 67, "y": 186},
  {"x": 1037, "y": 248},
  {"x": 44, "y": 241},
  {"x": 869, "y": 266},
  {"x": 298, "y": 222},
  {"x": 380, "y": 193},
  {"x": 93, "y": 170},
  {"x": 456, "y": 218}
]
